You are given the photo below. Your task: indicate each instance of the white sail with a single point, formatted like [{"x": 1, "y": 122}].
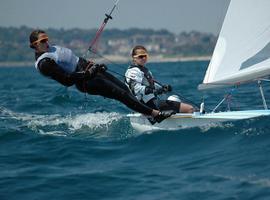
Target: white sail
[{"x": 242, "y": 52}]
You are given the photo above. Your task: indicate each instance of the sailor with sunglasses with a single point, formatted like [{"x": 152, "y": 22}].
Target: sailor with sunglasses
[
  {"x": 62, "y": 65},
  {"x": 142, "y": 84}
]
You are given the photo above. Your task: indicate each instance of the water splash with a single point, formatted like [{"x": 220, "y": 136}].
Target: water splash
[
  {"x": 93, "y": 120},
  {"x": 56, "y": 124}
]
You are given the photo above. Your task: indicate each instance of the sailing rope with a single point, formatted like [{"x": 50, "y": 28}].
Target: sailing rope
[{"x": 94, "y": 43}]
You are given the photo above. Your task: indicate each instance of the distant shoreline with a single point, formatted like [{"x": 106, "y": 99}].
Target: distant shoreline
[{"x": 119, "y": 59}]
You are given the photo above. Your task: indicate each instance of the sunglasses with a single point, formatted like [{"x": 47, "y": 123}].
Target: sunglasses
[
  {"x": 141, "y": 56},
  {"x": 43, "y": 41}
]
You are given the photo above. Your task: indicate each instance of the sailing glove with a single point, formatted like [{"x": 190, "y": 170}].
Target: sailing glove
[
  {"x": 158, "y": 91},
  {"x": 90, "y": 73},
  {"x": 102, "y": 67},
  {"x": 150, "y": 90},
  {"x": 167, "y": 88}
]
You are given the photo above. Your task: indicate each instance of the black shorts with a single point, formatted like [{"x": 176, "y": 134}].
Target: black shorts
[{"x": 164, "y": 105}]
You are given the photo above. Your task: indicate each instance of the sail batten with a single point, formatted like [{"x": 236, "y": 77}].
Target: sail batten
[{"x": 242, "y": 52}]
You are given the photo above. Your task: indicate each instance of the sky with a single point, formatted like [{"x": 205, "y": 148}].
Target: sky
[{"x": 174, "y": 15}]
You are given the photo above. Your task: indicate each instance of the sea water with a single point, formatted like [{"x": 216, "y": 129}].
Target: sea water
[{"x": 57, "y": 143}]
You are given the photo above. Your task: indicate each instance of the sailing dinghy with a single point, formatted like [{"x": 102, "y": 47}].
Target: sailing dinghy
[{"x": 241, "y": 55}]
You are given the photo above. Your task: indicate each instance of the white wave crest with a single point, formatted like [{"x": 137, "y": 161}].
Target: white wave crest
[
  {"x": 52, "y": 122},
  {"x": 93, "y": 120},
  {"x": 251, "y": 179}
]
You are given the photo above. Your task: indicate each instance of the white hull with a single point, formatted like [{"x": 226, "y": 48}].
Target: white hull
[{"x": 181, "y": 120}]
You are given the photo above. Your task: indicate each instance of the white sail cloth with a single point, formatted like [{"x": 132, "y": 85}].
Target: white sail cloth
[{"x": 242, "y": 52}]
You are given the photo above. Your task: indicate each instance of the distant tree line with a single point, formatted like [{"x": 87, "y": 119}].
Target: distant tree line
[{"x": 14, "y": 42}]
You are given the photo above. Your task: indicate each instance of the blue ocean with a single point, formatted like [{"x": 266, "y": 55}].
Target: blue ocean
[{"x": 59, "y": 144}]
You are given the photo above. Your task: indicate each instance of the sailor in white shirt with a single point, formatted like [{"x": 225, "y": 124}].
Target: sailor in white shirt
[{"x": 142, "y": 84}]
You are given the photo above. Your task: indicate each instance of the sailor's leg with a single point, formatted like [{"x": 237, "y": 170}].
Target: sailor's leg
[
  {"x": 176, "y": 106},
  {"x": 186, "y": 108},
  {"x": 110, "y": 87}
]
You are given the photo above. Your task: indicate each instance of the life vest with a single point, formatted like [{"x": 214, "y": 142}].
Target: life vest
[
  {"x": 137, "y": 78},
  {"x": 63, "y": 57}
]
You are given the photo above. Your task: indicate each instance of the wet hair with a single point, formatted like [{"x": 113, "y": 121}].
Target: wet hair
[
  {"x": 34, "y": 37},
  {"x": 133, "y": 52}
]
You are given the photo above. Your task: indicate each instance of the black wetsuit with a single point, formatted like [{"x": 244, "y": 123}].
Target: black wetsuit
[{"x": 103, "y": 84}]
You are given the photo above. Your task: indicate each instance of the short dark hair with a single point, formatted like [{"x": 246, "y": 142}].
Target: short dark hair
[
  {"x": 34, "y": 36},
  {"x": 133, "y": 53}
]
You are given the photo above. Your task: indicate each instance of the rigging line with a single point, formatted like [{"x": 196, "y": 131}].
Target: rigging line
[
  {"x": 108, "y": 60},
  {"x": 113, "y": 63},
  {"x": 227, "y": 98},
  {"x": 93, "y": 45}
]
